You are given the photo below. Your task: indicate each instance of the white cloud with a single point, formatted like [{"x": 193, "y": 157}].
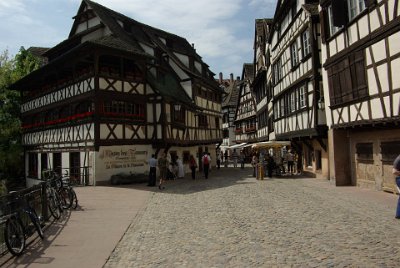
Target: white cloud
[
  {"x": 211, "y": 25},
  {"x": 221, "y": 30}
]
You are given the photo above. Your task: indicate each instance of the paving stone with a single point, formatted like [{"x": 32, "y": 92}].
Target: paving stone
[{"x": 234, "y": 220}]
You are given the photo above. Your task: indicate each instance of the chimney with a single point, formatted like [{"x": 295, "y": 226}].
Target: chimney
[
  {"x": 231, "y": 77},
  {"x": 220, "y": 77}
]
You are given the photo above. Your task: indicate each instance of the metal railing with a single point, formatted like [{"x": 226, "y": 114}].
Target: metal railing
[{"x": 8, "y": 206}]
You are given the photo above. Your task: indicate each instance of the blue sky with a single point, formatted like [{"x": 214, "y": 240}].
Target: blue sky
[{"x": 221, "y": 30}]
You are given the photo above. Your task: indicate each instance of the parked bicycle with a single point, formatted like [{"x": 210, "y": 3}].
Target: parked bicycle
[
  {"x": 54, "y": 199},
  {"x": 69, "y": 191},
  {"x": 15, "y": 232},
  {"x": 65, "y": 191}
]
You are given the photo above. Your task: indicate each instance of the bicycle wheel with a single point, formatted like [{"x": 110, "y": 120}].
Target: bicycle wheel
[
  {"x": 14, "y": 236},
  {"x": 35, "y": 220},
  {"x": 53, "y": 207},
  {"x": 75, "y": 199},
  {"x": 66, "y": 196}
]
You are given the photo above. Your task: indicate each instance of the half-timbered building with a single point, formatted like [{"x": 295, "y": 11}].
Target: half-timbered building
[
  {"x": 361, "y": 55},
  {"x": 245, "y": 115},
  {"x": 262, "y": 86},
  {"x": 231, "y": 88},
  {"x": 113, "y": 93},
  {"x": 297, "y": 82}
]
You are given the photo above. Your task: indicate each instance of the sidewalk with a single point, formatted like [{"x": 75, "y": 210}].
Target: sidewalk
[
  {"x": 230, "y": 216},
  {"x": 86, "y": 237}
]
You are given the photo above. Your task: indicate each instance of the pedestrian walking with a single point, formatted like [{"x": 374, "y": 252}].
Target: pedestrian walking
[
  {"x": 219, "y": 160},
  {"x": 206, "y": 159},
  {"x": 242, "y": 158},
  {"x": 181, "y": 171},
  {"x": 226, "y": 158},
  {"x": 396, "y": 172},
  {"x": 162, "y": 167},
  {"x": 290, "y": 162},
  {"x": 254, "y": 161},
  {"x": 193, "y": 166},
  {"x": 234, "y": 158},
  {"x": 153, "y": 170}
]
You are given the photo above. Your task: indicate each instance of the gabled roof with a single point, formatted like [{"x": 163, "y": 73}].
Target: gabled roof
[
  {"x": 125, "y": 36},
  {"x": 232, "y": 92},
  {"x": 248, "y": 72}
]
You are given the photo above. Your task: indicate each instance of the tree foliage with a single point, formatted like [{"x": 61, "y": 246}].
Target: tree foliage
[{"x": 11, "y": 152}]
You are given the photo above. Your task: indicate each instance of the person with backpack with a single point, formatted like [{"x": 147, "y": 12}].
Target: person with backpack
[{"x": 206, "y": 159}]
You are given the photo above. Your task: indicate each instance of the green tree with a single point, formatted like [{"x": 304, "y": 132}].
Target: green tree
[{"x": 11, "y": 151}]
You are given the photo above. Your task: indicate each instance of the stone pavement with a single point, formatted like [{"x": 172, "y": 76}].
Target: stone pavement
[
  {"x": 229, "y": 220},
  {"x": 85, "y": 238},
  {"x": 233, "y": 220}
]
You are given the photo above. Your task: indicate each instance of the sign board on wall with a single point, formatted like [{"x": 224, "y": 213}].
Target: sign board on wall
[
  {"x": 122, "y": 157},
  {"x": 112, "y": 160}
]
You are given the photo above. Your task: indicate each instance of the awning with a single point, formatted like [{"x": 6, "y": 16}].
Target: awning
[
  {"x": 270, "y": 144},
  {"x": 238, "y": 146}
]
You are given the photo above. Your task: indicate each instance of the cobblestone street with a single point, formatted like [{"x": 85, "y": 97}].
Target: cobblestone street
[{"x": 234, "y": 220}]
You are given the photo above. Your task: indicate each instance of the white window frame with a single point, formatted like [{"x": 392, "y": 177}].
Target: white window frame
[
  {"x": 306, "y": 42},
  {"x": 332, "y": 29},
  {"x": 294, "y": 54},
  {"x": 282, "y": 107},
  {"x": 302, "y": 96},
  {"x": 293, "y": 101},
  {"x": 355, "y": 7}
]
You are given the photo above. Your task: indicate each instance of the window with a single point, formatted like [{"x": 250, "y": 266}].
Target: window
[
  {"x": 306, "y": 43},
  {"x": 122, "y": 108},
  {"x": 203, "y": 120},
  {"x": 364, "y": 152},
  {"x": 282, "y": 107},
  {"x": 302, "y": 96},
  {"x": 277, "y": 71},
  {"x": 294, "y": 53},
  {"x": 347, "y": 79},
  {"x": 355, "y": 7},
  {"x": 217, "y": 125},
  {"x": 179, "y": 115},
  {"x": 390, "y": 150},
  {"x": 332, "y": 29},
  {"x": 293, "y": 102}
]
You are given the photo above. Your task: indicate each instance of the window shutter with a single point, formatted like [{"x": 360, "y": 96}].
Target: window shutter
[{"x": 338, "y": 13}]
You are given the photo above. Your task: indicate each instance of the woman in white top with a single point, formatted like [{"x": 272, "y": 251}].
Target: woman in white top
[{"x": 181, "y": 172}]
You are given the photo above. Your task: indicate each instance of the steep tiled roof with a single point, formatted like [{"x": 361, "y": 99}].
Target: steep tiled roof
[
  {"x": 232, "y": 96},
  {"x": 248, "y": 69}
]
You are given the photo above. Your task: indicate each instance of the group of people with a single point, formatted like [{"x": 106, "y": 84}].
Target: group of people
[
  {"x": 235, "y": 157},
  {"x": 270, "y": 165},
  {"x": 174, "y": 168},
  {"x": 167, "y": 169}
]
